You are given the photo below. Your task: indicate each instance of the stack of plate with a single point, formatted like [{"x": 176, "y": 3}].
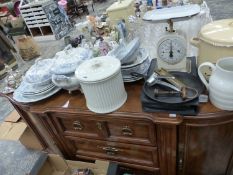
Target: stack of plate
[
  {"x": 140, "y": 66},
  {"x": 37, "y": 84},
  {"x": 27, "y": 93}
]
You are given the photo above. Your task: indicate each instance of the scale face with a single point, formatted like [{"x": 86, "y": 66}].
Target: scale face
[
  {"x": 172, "y": 47},
  {"x": 172, "y": 52}
]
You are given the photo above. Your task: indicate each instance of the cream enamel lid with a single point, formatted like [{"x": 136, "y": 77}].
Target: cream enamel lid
[{"x": 219, "y": 33}]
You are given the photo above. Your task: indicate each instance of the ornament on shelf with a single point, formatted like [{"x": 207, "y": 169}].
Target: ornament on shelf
[{"x": 13, "y": 80}]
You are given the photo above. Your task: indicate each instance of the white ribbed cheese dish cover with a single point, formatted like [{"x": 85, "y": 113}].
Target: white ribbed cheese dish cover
[{"x": 102, "y": 84}]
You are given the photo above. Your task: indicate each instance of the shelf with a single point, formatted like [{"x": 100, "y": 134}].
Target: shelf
[
  {"x": 46, "y": 30},
  {"x": 38, "y": 25},
  {"x": 36, "y": 31}
]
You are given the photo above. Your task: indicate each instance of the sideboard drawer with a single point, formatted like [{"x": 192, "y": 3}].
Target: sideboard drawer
[
  {"x": 141, "y": 155},
  {"x": 80, "y": 127},
  {"x": 124, "y": 130},
  {"x": 131, "y": 131}
]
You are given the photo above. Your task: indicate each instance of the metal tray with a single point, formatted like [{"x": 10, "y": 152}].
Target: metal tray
[{"x": 188, "y": 79}]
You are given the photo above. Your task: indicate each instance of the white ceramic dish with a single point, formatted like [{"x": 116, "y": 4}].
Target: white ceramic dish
[
  {"x": 31, "y": 90},
  {"x": 67, "y": 82},
  {"x": 67, "y": 61},
  {"x": 18, "y": 96},
  {"x": 125, "y": 52},
  {"x": 41, "y": 93},
  {"x": 141, "y": 65},
  {"x": 140, "y": 58}
]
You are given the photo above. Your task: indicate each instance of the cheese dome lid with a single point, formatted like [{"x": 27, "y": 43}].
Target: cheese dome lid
[
  {"x": 219, "y": 33},
  {"x": 98, "y": 69}
]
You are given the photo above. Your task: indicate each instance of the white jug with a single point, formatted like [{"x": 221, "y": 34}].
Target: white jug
[{"x": 220, "y": 84}]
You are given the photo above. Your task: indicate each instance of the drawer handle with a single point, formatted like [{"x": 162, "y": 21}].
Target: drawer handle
[
  {"x": 126, "y": 131},
  {"x": 99, "y": 126},
  {"x": 78, "y": 126},
  {"x": 109, "y": 150}
]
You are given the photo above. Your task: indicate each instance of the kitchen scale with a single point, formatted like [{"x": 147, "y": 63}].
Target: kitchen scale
[{"x": 172, "y": 46}]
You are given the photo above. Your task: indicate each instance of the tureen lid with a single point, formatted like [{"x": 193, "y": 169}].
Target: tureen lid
[
  {"x": 40, "y": 71},
  {"x": 218, "y": 33},
  {"x": 98, "y": 69}
]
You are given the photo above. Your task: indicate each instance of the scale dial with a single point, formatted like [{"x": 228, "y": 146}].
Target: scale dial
[{"x": 172, "y": 49}]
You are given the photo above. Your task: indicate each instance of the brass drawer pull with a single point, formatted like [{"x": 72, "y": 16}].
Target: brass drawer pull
[
  {"x": 77, "y": 125},
  {"x": 109, "y": 150},
  {"x": 99, "y": 126},
  {"x": 126, "y": 131}
]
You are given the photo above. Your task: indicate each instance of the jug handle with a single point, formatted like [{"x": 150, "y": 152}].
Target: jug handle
[{"x": 203, "y": 79}]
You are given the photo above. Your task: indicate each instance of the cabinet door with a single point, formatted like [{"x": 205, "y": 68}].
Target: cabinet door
[{"x": 206, "y": 145}]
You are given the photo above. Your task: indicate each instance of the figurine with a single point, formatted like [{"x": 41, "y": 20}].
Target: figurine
[
  {"x": 100, "y": 30},
  {"x": 104, "y": 47},
  {"x": 137, "y": 10},
  {"x": 122, "y": 29},
  {"x": 150, "y": 3},
  {"x": 114, "y": 35},
  {"x": 76, "y": 41},
  {"x": 13, "y": 80},
  {"x": 92, "y": 21},
  {"x": 104, "y": 17}
]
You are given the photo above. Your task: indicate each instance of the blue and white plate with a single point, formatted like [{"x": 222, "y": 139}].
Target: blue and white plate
[{"x": 19, "y": 93}]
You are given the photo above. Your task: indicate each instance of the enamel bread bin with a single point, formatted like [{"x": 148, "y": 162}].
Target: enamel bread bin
[
  {"x": 215, "y": 41},
  {"x": 102, "y": 84}
]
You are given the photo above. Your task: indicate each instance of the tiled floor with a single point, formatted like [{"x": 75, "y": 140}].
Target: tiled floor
[{"x": 220, "y": 9}]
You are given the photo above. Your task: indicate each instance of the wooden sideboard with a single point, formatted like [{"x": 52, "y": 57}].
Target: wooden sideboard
[{"x": 157, "y": 142}]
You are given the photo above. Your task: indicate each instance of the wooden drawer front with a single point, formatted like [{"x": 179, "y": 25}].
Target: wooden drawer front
[
  {"x": 138, "y": 132},
  {"x": 141, "y": 155},
  {"x": 80, "y": 127},
  {"x": 108, "y": 128}
]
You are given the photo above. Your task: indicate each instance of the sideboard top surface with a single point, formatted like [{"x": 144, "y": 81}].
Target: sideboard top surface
[{"x": 75, "y": 102}]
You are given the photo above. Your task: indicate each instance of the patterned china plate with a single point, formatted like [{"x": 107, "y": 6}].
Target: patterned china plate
[
  {"x": 31, "y": 90},
  {"x": 18, "y": 96}
]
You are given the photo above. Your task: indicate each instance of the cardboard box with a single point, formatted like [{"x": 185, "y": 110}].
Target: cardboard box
[
  {"x": 99, "y": 167},
  {"x": 19, "y": 132},
  {"x": 56, "y": 165},
  {"x": 13, "y": 117},
  {"x": 17, "y": 22}
]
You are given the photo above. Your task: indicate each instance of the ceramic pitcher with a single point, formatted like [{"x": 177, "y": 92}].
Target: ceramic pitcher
[{"x": 220, "y": 84}]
